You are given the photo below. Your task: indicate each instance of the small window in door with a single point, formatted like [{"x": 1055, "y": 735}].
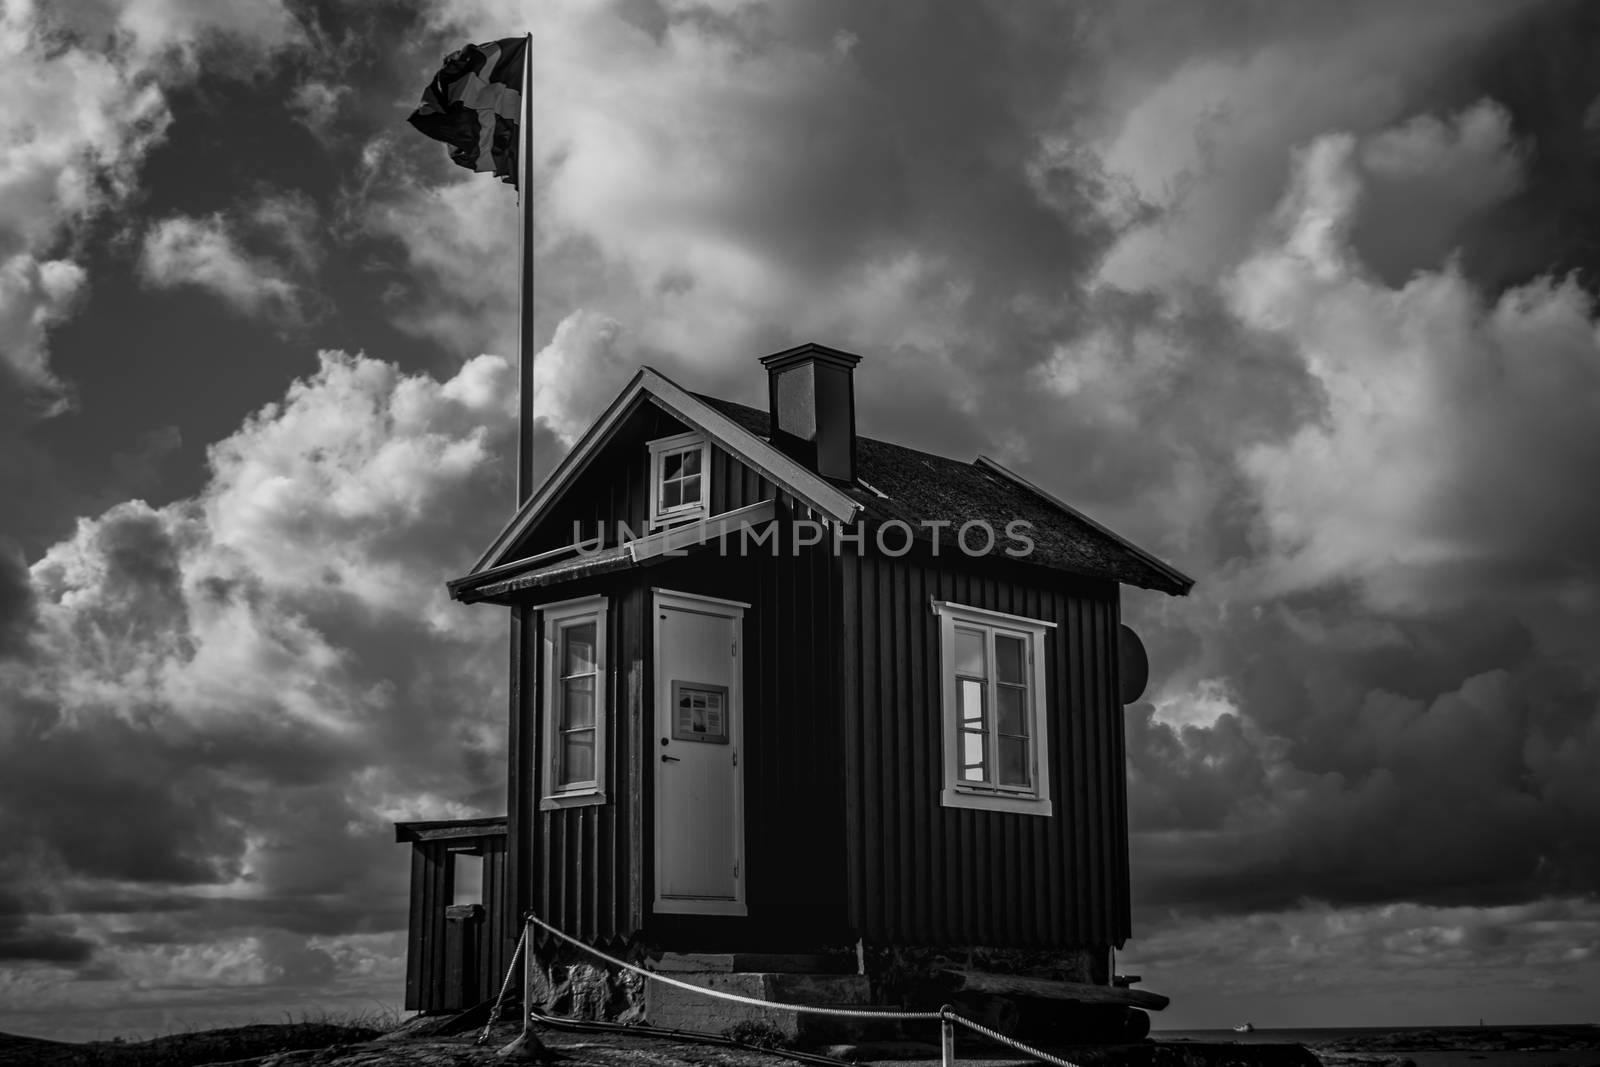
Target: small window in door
[{"x": 700, "y": 712}]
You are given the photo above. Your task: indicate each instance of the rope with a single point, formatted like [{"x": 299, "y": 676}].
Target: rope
[
  {"x": 494, "y": 1013},
  {"x": 915, "y": 1016},
  {"x": 1003, "y": 1039},
  {"x": 942, "y": 1016}
]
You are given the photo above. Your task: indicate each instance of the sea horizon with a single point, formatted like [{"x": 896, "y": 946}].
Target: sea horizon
[{"x": 1323, "y": 1034}]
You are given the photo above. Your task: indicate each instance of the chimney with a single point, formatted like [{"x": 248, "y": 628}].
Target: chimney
[{"x": 811, "y": 400}]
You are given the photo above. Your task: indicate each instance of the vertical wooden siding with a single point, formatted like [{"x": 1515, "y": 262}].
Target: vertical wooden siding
[
  {"x": 432, "y": 889},
  {"x": 584, "y": 880},
  {"x": 590, "y": 865},
  {"x": 921, "y": 873}
]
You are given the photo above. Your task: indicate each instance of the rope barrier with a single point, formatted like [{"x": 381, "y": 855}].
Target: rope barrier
[
  {"x": 946, "y": 1016},
  {"x": 655, "y": 976},
  {"x": 494, "y": 1013},
  {"x": 1004, "y": 1040}
]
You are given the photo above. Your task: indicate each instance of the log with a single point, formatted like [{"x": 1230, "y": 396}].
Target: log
[{"x": 1053, "y": 989}]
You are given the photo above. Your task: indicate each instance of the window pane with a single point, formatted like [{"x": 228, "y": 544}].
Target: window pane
[
  {"x": 671, "y": 465},
  {"x": 691, "y": 489},
  {"x": 971, "y": 703},
  {"x": 671, "y": 494},
  {"x": 578, "y": 649},
  {"x": 691, "y": 462},
  {"x": 578, "y": 703},
  {"x": 969, "y": 652},
  {"x": 972, "y": 756},
  {"x": 1011, "y": 709},
  {"x": 1013, "y": 761},
  {"x": 1010, "y": 659},
  {"x": 577, "y": 757}
]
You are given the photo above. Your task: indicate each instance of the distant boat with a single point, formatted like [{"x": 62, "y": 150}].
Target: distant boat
[{"x": 1244, "y": 1028}]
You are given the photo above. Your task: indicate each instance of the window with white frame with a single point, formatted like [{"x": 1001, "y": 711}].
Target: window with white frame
[
  {"x": 996, "y": 736},
  {"x": 680, "y": 478},
  {"x": 574, "y": 706}
]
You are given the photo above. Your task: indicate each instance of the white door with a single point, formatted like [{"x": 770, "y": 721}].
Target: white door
[{"x": 696, "y": 748}]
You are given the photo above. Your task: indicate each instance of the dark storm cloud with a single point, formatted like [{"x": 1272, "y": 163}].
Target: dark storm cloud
[
  {"x": 16, "y": 601},
  {"x": 24, "y": 935},
  {"x": 189, "y": 747},
  {"x": 1539, "y": 68}
]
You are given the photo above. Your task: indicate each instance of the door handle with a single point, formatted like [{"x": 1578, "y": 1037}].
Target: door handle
[{"x": 666, "y": 758}]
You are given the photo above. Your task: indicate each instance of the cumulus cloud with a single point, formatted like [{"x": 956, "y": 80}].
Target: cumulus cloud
[
  {"x": 209, "y": 253},
  {"x": 1384, "y": 694},
  {"x": 260, "y": 677},
  {"x": 34, "y": 296},
  {"x": 1427, "y": 179},
  {"x": 1451, "y": 419},
  {"x": 1201, "y": 133},
  {"x": 88, "y": 103},
  {"x": 724, "y": 186}
]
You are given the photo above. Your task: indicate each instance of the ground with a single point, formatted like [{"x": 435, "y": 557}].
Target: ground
[
  {"x": 411, "y": 1045},
  {"x": 415, "y": 1044}
]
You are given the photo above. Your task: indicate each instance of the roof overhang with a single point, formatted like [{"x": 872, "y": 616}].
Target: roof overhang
[
  {"x": 574, "y": 561},
  {"x": 449, "y": 829},
  {"x": 651, "y": 386}
]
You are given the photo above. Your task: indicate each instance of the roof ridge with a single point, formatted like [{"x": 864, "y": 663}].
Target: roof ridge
[{"x": 859, "y": 436}]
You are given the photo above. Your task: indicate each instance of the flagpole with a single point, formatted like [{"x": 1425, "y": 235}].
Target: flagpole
[
  {"x": 525, "y": 281},
  {"x": 520, "y": 738}
]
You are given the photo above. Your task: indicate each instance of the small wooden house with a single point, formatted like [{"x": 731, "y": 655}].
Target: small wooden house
[{"x": 778, "y": 688}]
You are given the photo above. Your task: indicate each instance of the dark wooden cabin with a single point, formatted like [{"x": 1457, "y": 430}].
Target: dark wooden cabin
[{"x": 768, "y": 696}]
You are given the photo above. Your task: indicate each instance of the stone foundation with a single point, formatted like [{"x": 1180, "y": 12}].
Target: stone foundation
[{"x": 575, "y": 985}]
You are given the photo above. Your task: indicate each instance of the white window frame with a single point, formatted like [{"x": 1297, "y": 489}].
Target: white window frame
[
  {"x": 555, "y": 618},
  {"x": 660, "y": 449},
  {"x": 957, "y": 793}
]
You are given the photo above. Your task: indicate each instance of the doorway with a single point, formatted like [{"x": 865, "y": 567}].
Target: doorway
[{"x": 699, "y": 735}]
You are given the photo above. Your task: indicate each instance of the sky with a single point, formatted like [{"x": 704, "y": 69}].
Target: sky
[{"x": 1300, "y": 297}]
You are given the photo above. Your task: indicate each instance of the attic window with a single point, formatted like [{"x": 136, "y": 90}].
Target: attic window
[
  {"x": 996, "y": 744},
  {"x": 680, "y": 478}
]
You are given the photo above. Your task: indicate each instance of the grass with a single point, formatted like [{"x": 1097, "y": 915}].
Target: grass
[{"x": 188, "y": 1048}]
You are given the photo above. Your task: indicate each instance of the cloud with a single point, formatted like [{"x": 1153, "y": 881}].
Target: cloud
[
  {"x": 209, "y": 253},
  {"x": 722, "y": 186},
  {"x": 260, "y": 676},
  {"x": 317, "y": 105},
  {"x": 1451, "y": 419},
  {"x": 1425, "y": 180},
  {"x": 34, "y": 296},
  {"x": 1201, "y": 133},
  {"x": 87, "y": 105},
  {"x": 1382, "y": 692},
  {"x": 1395, "y": 964}
]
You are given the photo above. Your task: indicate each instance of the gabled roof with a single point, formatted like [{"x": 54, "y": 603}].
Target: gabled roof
[
  {"x": 652, "y": 386},
  {"x": 893, "y": 482},
  {"x": 896, "y": 482}
]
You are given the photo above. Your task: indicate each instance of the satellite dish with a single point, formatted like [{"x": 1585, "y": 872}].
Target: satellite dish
[{"x": 1133, "y": 665}]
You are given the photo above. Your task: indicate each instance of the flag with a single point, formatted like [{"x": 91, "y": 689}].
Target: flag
[{"x": 474, "y": 104}]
